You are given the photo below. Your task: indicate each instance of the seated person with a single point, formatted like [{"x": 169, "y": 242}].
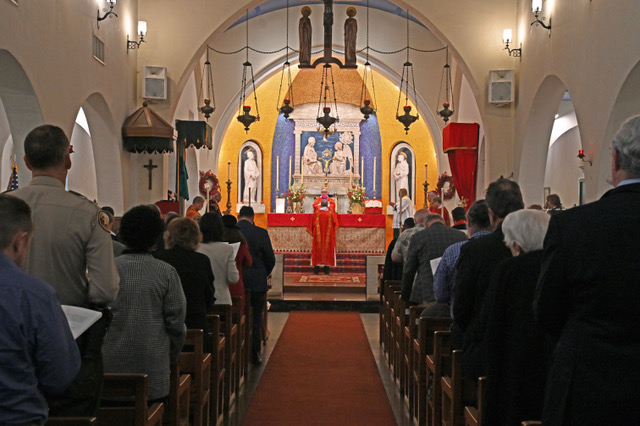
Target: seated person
[
  {"x": 147, "y": 330},
  {"x": 38, "y": 354}
]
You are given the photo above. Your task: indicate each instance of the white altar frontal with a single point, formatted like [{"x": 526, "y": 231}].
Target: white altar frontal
[{"x": 327, "y": 161}]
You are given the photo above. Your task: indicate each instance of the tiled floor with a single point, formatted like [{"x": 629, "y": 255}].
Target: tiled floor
[{"x": 277, "y": 321}]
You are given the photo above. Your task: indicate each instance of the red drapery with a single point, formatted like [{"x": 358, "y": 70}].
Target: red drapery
[{"x": 460, "y": 142}]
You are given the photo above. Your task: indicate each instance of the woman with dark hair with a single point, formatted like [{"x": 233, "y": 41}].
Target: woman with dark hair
[
  {"x": 231, "y": 234},
  {"x": 147, "y": 330},
  {"x": 220, "y": 255},
  {"x": 181, "y": 239}
]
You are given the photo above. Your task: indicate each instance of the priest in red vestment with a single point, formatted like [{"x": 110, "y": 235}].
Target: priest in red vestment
[
  {"x": 323, "y": 229},
  {"x": 436, "y": 207}
]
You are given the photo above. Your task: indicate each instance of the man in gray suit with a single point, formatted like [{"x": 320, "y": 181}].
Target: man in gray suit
[{"x": 424, "y": 246}]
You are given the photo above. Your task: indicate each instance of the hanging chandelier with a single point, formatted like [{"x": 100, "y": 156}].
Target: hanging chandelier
[
  {"x": 446, "y": 87},
  {"x": 326, "y": 120},
  {"x": 365, "y": 104},
  {"x": 407, "y": 73},
  {"x": 287, "y": 108},
  {"x": 244, "y": 115},
  {"x": 207, "y": 91}
]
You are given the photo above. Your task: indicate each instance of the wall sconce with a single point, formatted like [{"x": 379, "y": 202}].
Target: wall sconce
[
  {"x": 583, "y": 159},
  {"x": 110, "y": 12},
  {"x": 507, "y": 35},
  {"x": 142, "y": 31},
  {"x": 536, "y": 8}
]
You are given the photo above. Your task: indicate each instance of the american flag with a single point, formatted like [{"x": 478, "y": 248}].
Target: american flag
[{"x": 13, "y": 181}]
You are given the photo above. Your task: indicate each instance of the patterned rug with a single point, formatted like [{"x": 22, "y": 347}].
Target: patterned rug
[{"x": 321, "y": 278}]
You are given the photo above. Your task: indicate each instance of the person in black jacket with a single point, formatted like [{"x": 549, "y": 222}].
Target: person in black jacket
[
  {"x": 588, "y": 296},
  {"x": 255, "y": 276}
]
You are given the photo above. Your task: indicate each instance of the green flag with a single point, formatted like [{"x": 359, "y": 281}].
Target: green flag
[{"x": 183, "y": 177}]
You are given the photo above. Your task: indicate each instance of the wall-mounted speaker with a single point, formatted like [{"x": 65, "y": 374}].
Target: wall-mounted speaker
[
  {"x": 154, "y": 82},
  {"x": 501, "y": 87}
]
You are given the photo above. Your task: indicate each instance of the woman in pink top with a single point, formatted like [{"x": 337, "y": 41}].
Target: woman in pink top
[{"x": 232, "y": 234}]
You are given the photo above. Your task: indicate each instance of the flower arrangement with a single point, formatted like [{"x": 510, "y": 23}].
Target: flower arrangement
[
  {"x": 296, "y": 193},
  {"x": 357, "y": 194}
]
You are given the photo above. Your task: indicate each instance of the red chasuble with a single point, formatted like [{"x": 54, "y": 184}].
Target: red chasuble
[
  {"x": 323, "y": 232},
  {"x": 435, "y": 210}
]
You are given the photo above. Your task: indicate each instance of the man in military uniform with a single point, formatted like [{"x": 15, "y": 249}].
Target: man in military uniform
[{"x": 71, "y": 250}]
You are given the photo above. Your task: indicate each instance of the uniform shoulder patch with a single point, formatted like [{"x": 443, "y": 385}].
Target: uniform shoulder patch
[{"x": 103, "y": 220}]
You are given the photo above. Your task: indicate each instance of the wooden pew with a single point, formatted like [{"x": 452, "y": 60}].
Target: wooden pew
[
  {"x": 134, "y": 410},
  {"x": 473, "y": 415},
  {"x": 451, "y": 392},
  {"x": 532, "y": 423},
  {"x": 195, "y": 362},
  {"x": 436, "y": 363},
  {"x": 397, "y": 309},
  {"x": 239, "y": 320},
  {"x": 177, "y": 413},
  {"x": 423, "y": 345},
  {"x": 218, "y": 343},
  {"x": 72, "y": 421},
  {"x": 409, "y": 334},
  {"x": 230, "y": 332},
  {"x": 248, "y": 313},
  {"x": 390, "y": 287}
]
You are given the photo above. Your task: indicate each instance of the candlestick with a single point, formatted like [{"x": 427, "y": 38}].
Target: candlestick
[
  {"x": 374, "y": 174},
  {"x": 290, "y": 177},
  {"x": 229, "y": 170},
  {"x": 425, "y": 172},
  {"x": 277, "y": 175}
]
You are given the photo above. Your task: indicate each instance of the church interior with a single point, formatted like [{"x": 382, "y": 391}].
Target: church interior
[{"x": 247, "y": 100}]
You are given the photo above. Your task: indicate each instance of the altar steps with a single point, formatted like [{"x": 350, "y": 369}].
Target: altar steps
[{"x": 346, "y": 263}]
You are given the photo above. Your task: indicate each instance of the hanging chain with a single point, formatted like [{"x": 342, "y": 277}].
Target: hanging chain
[{"x": 335, "y": 101}]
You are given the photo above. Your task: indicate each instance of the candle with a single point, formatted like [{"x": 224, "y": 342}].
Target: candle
[
  {"x": 229, "y": 170},
  {"x": 302, "y": 173},
  {"x": 425, "y": 172},
  {"x": 277, "y": 175},
  {"x": 362, "y": 171},
  {"x": 290, "y": 178},
  {"x": 374, "y": 173}
]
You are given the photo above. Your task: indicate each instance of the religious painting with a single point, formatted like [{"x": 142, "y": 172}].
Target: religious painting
[
  {"x": 250, "y": 174},
  {"x": 330, "y": 156},
  {"x": 402, "y": 166}
]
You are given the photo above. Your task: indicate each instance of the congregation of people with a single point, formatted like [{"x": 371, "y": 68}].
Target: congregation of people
[
  {"x": 150, "y": 283},
  {"x": 540, "y": 301}
]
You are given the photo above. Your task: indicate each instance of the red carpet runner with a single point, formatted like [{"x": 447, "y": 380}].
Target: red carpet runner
[{"x": 321, "y": 372}]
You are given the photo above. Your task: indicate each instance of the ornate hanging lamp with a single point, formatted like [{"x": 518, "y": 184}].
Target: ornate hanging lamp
[
  {"x": 287, "y": 104},
  {"x": 326, "y": 120},
  {"x": 407, "y": 73},
  {"x": 365, "y": 103},
  {"x": 206, "y": 89},
  {"x": 244, "y": 110},
  {"x": 446, "y": 92}
]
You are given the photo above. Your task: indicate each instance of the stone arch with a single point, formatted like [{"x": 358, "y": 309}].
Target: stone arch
[
  {"x": 625, "y": 106},
  {"x": 21, "y": 109},
  {"x": 536, "y": 138}
]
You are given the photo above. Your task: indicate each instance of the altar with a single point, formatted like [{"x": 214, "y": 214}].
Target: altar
[{"x": 358, "y": 233}]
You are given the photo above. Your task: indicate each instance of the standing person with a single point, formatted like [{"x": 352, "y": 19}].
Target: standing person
[
  {"x": 459, "y": 219},
  {"x": 231, "y": 234},
  {"x": 181, "y": 239},
  {"x": 148, "y": 329},
  {"x": 393, "y": 270},
  {"x": 193, "y": 211},
  {"x": 553, "y": 204},
  {"x": 38, "y": 354},
  {"x": 402, "y": 210},
  {"x": 425, "y": 246},
  {"x": 255, "y": 276},
  {"x": 322, "y": 229},
  {"x": 588, "y": 295},
  {"x": 72, "y": 251},
  {"x": 436, "y": 207},
  {"x": 476, "y": 264},
  {"x": 220, "y": 255}
]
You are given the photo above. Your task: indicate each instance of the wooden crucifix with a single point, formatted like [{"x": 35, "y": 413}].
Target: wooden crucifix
[{"x": 150, "y": 167}]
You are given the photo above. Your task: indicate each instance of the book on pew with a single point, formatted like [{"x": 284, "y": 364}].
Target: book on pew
[
  {"x": 434, "y": 264},
  {"x": 80, "y": 319}
]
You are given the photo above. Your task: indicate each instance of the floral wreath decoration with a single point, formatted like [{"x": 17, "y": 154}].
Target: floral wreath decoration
[
  {"x": 210, "y": 178},
  {"x": 443, "y": 180}
]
